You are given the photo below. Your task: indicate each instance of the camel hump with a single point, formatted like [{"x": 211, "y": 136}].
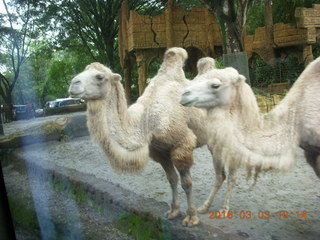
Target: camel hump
[
  {"x": 175, "y": 54},
  {"x": 205, "y": 64}
]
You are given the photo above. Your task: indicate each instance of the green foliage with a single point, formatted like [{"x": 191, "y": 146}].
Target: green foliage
[
  {"x": 283, "y": 10},
  {"x": 255, "y": 17},
  {"x": 21, "y": 26},
  {"x": 316, "y": 49},
  {"x": 154, "y": 67},
  {"x": 219, "y": 62},
  {"x": 141, "y": 228},
  {"x": 187, "y": 5},
  {"x": 22, "y": 215},
  {"x": 285, "y": 70}
]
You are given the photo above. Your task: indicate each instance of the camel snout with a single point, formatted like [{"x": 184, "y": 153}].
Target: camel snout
[
  {"x": 75, "y": 89},
  {"x": 187, "y": 101}
]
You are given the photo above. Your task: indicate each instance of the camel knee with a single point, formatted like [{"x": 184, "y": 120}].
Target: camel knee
[
  {"x": 173, "y": 179},
  {"x": 221, "y": 177},
  {"x": 182, "y": 160},
  {"x": 186, "y": 183}
]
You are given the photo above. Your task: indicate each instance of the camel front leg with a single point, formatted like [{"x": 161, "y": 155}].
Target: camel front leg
[
  {"x": 173, "y": 179},
  {"x": 220, "y": 177},
  {"x": 232, "y": 177}
]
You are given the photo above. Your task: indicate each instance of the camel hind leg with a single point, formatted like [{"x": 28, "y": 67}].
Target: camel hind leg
[
  {"x": 220, "y": 177},
  {"x": 173, "y": 179},
  {"x": 313, "y": 158}
]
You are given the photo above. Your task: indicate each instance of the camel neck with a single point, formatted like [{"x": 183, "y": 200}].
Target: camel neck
[
  {"x": 248, "y": 138},
  {"x": 124, "y": 143},
  {"x": 110, "y": 119}
]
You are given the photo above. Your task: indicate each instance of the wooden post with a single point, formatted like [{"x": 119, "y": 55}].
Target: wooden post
[
  {"x": 169, "y": 23},
  {"x": 2, "y": 114},
  {"x": 307, "y": 55},
  {"x": 268, "y": 19},
  {"x": 142, "y": 70},
  {"x": 127, "y": 79}
]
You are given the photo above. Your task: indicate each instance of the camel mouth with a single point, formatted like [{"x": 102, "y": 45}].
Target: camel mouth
[
  {"x": 76, "y": 95},
  {"x": 187, "y": 102}
]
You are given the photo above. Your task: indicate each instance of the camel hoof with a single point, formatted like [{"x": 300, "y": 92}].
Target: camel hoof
[
  {"x": 190, "y": 221},
  {"x": 202, "y": 209},
  {"x": 171, "y": 214},
  {"x": 224, "y": 211}
]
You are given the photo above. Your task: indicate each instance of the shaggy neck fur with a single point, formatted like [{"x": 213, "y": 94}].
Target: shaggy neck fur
[
  {"x": 243, "y": 136},
  {"x": 120, "y": 135}
]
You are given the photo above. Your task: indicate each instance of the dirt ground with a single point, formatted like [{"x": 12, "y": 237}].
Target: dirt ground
[{"x": 291, "y": 200}]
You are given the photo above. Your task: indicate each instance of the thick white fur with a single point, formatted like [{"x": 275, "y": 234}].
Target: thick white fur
[
  {"x": 241, "y": 136},
  {"x": 156, "y": 125},
  {"x": 157, "y": 118}
]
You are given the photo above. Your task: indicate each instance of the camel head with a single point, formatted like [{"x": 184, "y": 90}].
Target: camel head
[
  {"x": 214, "y": 88},
  {"x": 94, "y": 83}
]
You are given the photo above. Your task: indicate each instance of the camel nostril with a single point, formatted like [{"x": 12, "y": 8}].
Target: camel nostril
[
  {"x": 75, "y": 81},
  {"x": 187, "y": 93}
]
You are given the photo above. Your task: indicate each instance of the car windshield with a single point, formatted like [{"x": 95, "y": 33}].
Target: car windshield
[{"x": 19, "y": 108}]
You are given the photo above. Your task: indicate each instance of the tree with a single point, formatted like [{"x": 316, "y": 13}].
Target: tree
[
  {"x": 20, "y": 26},
  {"x": 283, "y": 10},
  {"x": 231, "y": 16},
  {"x": 92, "y": 26}
]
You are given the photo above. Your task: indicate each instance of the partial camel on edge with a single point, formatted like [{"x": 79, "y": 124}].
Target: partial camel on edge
[{"x": 240, "y": 136}]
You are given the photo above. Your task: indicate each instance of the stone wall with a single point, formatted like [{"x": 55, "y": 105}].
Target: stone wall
[
  {"x": 308, "y": 17},
  {"x": 196, "y": 27},
  {"x": 304, "y": 34}
]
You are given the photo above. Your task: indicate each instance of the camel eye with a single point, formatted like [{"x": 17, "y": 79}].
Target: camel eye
[
  {"x": 99, "y": 77},
  {"x": 215, "y": 86}
]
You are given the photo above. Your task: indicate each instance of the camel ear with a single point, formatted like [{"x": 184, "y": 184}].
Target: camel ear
[{"x": 116, "y": 77}]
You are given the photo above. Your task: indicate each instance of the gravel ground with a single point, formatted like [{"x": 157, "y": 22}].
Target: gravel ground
[{"x": 297, "y": 190}]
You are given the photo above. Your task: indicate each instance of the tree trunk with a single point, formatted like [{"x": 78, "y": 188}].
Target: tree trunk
[
  {"x": 8, "y": 107},
  {"x": 231, "y": 15},
  {"x": 233, "y": 40}
]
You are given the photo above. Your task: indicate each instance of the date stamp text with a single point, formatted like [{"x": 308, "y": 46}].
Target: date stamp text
[{"x": 282, "y": 214}]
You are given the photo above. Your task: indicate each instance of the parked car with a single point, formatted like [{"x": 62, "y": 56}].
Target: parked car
[
  {"x": 64, "y": 105},
  {"x": 51, "y": 104},
  {"x": 22, "y": 112},
  {"x": 39, "y": 112},
  {"x": 62, "y": 102}
]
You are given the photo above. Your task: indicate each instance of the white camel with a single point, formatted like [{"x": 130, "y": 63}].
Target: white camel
[
  {"x": 239, "y": 136},
  {"x": 156, "y": 125}
]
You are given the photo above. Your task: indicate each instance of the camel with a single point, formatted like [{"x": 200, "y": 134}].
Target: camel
[
  {"x": 156, "y": 125},
  {"x": 240, "y": 136}
]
